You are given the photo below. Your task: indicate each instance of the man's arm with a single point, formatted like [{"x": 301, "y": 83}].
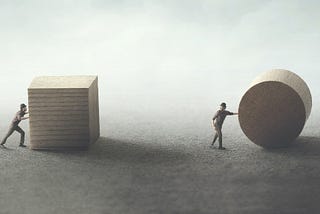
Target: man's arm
[
  {"x": 24, "y": 118},
  {"x": 215, "y": 116},
  {"x": 232, "y": 113}
]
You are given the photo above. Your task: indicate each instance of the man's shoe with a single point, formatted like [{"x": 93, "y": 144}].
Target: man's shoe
[
  {"x": 222, "y": 148},
  {"x": 22, "y": 145}
]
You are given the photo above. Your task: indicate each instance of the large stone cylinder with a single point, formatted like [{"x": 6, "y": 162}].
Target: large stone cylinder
[{"x": 273, "y": 111}]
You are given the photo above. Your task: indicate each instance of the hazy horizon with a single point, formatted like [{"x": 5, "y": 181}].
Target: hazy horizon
[{"x": 207, "y": 50}]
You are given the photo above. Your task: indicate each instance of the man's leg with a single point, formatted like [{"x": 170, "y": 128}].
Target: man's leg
[
  {"x": 220, "y": 137},
  {"x": 215, "y": 138},
  {"x": 22, "y": 133},
  {"x": 11, "y": 130}
]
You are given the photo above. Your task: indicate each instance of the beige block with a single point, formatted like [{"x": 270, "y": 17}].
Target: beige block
[
  {"x": 64, "y": 112},
  {"x": 273, "y": 111}
]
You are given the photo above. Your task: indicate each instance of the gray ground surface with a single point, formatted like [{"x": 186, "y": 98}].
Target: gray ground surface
[{"x": 162, "y": 163}]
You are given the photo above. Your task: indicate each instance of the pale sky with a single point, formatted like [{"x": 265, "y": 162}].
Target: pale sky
[{"x": 152, "y": 47}]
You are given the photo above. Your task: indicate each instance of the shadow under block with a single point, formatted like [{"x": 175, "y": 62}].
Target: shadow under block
[
  {"x": 273, "y": 111},
  {"x": 64, "y": 112}
]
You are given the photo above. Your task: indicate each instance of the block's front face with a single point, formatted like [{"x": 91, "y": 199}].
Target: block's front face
[{"x": 59, "y": 118}]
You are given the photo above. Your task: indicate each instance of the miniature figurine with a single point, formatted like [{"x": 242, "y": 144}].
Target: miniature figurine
[
  {"x": 217, "y": 122},
  {"x": 15, "y": 125}
]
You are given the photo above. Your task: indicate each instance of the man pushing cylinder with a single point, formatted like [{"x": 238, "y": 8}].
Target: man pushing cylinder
[{"x": 217, "y": 122}]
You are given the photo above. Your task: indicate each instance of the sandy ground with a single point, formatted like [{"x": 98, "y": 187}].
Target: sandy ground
[{"x": 161, "y": 162}]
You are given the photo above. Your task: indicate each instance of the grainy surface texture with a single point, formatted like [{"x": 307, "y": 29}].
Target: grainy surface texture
[
  {"x": 155, "y": 158},
  {"x": 64, "y": 112},
  {"x": 273, "y": 111}
]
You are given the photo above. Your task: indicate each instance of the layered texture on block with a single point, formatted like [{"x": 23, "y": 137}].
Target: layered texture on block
[
  {"x": 273, "y": 111},
  {"x": 64, "y": 112}
]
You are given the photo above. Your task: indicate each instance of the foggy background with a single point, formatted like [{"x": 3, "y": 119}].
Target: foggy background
[
  {"x": 164, "y": 67},
  {"x": 163, "y": 60}
]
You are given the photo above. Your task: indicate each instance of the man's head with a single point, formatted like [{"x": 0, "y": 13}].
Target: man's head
[
  {"x": 223, "y": 106},
  {"x": 23, "y": 107}
]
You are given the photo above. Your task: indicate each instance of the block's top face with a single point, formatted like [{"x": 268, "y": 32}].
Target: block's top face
[{"x": 56, "y": 82}]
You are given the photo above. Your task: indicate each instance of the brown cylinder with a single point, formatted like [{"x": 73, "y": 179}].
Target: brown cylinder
[{"x": 273, "y": 111}]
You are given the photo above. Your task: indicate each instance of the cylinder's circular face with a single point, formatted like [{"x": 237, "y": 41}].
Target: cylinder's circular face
[{"x": 272, "y": 114}]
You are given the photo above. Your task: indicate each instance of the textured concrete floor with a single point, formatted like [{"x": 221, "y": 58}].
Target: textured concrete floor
[{"x": 144, "y": 165}]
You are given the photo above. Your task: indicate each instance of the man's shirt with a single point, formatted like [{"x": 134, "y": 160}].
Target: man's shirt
[
  {"x": 17, "y": 119},
  {"x": 220, "y": 116}
]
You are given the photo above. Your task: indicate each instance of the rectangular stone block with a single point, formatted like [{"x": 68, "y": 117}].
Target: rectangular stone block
[{"x": 64, "y": 112}]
